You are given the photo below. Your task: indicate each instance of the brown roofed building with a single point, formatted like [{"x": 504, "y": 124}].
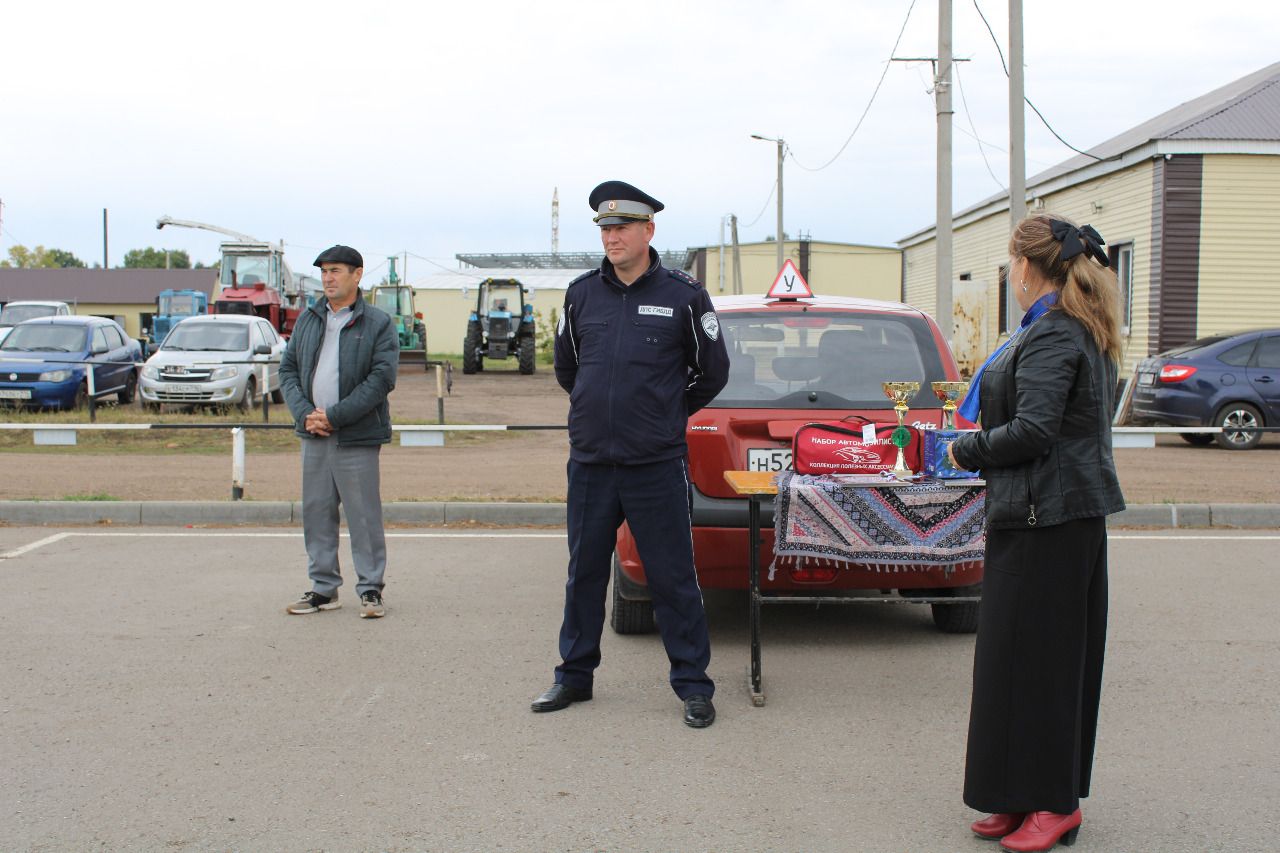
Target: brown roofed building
[{"x": 126, "y": 295}]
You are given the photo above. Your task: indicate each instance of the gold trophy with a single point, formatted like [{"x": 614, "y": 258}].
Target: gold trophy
[
  {"x": 900, "y": 393},
  {"x": 950, "y": 393}
]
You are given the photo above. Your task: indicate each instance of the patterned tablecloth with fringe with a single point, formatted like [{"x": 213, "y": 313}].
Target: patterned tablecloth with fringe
[{"x": 897, "y": 527}]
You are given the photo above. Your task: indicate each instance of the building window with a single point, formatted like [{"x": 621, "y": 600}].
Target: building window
[
  {"x": 1006, "y": 297},
  {"x": 1122, "y": 263},
  {"x": 966, "y": 276}
]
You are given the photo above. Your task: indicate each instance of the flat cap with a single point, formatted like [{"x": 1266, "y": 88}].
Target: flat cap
[
  {"x": 340, "y": 255},
  {"x": 617, "y": 203}
]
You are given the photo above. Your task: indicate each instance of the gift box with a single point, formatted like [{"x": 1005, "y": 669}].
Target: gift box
[{"x": 936, "y": 462}]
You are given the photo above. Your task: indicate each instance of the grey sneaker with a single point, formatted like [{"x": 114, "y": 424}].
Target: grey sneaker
[
  {"x": 371, "y": 606},
  {"x": 310, "y": 602}
]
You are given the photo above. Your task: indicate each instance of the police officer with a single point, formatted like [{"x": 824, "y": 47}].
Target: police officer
[{"x": 639, "y": 350}]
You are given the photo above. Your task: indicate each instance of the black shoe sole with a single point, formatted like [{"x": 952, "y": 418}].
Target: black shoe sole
[{"x": 547, "y": 708}]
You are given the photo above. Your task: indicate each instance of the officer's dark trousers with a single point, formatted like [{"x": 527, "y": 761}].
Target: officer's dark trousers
[
  {"x": 654, "y": 500},
  {"x": 1037, "y": 668}
]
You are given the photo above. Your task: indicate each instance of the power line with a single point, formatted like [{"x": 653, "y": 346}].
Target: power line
[
  {"x": 1034, "y": 108},
  {"x": 765, "y": 207},
  {"x": 863, "y": 117},
  {"x": 981, "y": 147}
]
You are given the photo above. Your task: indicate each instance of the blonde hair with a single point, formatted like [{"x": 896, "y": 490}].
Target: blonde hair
[{"x": 1087, "y": 290}]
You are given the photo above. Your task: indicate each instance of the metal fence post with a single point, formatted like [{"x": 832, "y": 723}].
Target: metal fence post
[
  {"x": 237, "y": 463},
  {"x": 92, "y": 388}
]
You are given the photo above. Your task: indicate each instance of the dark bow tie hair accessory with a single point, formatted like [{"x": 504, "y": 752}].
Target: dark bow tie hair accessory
[{"x": 1075, "y": 240}]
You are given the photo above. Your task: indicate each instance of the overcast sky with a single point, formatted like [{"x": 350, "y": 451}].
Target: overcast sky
[{"x": 440, "y": 128}]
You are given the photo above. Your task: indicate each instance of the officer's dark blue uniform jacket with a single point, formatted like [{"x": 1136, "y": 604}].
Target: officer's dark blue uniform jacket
[{"x": 637, "y": 360}]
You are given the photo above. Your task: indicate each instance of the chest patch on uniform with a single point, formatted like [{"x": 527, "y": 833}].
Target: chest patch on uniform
[
  {"x": 655, "y": 311},
  {"x": 711, "y": 325}
]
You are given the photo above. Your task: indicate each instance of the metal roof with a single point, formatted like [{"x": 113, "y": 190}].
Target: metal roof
[
  {"x": 111, "y": 287},
  {"x": 558, "y": 260},
  {"x": 534, "y": 279},
  {"x": 1245, "y": 111}
]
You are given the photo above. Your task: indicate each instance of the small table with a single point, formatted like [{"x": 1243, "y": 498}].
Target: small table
[{"x": 756, "y": 486}]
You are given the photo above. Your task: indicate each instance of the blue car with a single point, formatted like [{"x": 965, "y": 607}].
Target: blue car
[
  {"x": 1228, "y": 381},
  {"x": 43, "y": 362}
]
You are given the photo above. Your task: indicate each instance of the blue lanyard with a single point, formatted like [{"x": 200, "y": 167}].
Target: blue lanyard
[{"x": 969, "y": 409}]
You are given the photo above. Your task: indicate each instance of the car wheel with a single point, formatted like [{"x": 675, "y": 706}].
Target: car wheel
[
  {"x": 81, "y": 400},
  {"x": 250, "y": 398},
  {"x": 956, "y": 618},
  {"x": 630, "y": 615},
  {"x": 1239, "y": 422},
  {"x": 130, "y": 389},
  {"x": 1197, "y": 439},
  {"x": 277, "y": 397}
]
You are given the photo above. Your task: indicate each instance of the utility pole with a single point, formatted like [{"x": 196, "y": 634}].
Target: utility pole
[
  {"x": 555, "y": 221},
  {"x": 721, "y": 265},
  {"x": 105, "y": 256},
  {"x": 1017, "y": 120},
  {"x": 782, "y": 153},
  {"x": 942, "y": 231},
  {"x": 737, "y": 258}
]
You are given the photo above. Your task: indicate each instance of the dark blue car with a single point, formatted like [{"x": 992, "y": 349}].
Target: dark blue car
[
  {"x": 1228, "y": 381},
  {"x": 42, "y": 362}
]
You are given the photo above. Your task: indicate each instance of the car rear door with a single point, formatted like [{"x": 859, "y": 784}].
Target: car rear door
[
  {"x": 1264, "y": 375},
  {"x": 99, "y": 356}
]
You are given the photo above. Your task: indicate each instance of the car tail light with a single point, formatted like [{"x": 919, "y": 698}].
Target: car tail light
[
  {"x": 1176, "y": 372},
  {"x": 813, "y": 575}
]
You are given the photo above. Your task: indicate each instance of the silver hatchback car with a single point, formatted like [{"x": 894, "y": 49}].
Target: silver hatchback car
[{"x": 215, "y": 359}]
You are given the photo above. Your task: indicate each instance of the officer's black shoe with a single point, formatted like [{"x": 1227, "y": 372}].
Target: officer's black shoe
[
  {"x": 699, "y": 712},
  {"x": 560, "y": 696}
]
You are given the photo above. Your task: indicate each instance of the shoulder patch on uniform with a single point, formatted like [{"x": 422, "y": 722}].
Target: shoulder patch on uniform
[
  {"x": 586, "y": 274},
  {"x": 711, "y": 325},
  {"x": 681, "y": 275}
]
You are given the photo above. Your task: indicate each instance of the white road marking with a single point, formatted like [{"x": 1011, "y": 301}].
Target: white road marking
[
  {"x": 48, "y": 540},
  {"x": 58, "y": 537},
  {"x": 1223, "y": 538}
]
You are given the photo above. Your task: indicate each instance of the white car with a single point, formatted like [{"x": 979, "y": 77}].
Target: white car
[
  {"x": 17, "y": 311},
  {"x": 214, "y": 360}
]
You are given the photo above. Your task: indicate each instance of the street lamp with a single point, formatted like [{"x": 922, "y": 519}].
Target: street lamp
[{"x": 782, "y": 150}]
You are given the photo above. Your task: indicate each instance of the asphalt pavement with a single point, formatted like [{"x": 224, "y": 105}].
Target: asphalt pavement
[
  {"x": 510, "y": 514},
  {"x": 154, "y": 696}
]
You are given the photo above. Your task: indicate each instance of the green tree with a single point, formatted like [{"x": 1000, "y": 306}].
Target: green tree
[
  {"x": 40, "y": 258},
  {"x": 153, "y": 259}
]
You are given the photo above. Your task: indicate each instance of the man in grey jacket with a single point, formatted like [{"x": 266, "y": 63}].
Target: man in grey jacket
[{"x": 336, "y": 373}]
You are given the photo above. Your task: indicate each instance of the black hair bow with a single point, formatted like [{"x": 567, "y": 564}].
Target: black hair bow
[{"x": 1076, "y": 240}]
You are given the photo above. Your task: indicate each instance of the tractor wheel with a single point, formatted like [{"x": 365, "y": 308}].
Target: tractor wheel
[
  {"x": 528, "y": 356},
  {"x": 471, "y": 350},
  {"x": 420, "y": 329}
]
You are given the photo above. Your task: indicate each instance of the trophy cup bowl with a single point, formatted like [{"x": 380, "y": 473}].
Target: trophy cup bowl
[
  {"x": 950, "y": 393},
  {"x": 900, "y": 393}
]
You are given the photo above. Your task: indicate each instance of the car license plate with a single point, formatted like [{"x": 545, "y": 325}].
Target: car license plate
[
  {"x": 1146, "y": 379},
  {"x": 182, "y": 389},
  {"x": 15, "y": 393},
  {"x": 768, "y": 458}
]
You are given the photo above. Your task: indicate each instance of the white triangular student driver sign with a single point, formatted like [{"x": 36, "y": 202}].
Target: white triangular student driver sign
[{"x": 789, "y": 284}]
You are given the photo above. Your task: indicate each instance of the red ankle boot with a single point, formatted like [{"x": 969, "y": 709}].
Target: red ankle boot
[
  {"x": 1042, "y": 830},
  {"x": 997, "y": 826}
]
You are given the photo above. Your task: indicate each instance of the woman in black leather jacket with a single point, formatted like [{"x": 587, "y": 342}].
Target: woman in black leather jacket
[{"x": 1046, "y": 400}]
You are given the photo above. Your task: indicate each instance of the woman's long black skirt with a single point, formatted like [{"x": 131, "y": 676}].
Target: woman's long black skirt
[{"x": 1037, "y": 668}]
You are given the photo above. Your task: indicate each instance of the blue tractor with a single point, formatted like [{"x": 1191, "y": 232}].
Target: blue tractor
[
  {"x": 501, "y": 327},
  {"x": 173, "y": 306}
]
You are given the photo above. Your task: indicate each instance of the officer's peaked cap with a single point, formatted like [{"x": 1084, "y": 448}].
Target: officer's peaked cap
[
  {"x": 617, "y": 203},
  {"x": 340, "y": 255}
]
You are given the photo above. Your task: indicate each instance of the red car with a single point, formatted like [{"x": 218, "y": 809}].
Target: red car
[{"x": 792, "y": 362}]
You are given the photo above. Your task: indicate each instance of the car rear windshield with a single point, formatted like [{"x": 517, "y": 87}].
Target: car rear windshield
[
  {"x": 45, "y": 337},
  {"x": 825, "y": 360},
  {"x": 12, "y": 315},
  {"x": 1194, "y": 346},
  {"x": 208, "y": 337}
]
